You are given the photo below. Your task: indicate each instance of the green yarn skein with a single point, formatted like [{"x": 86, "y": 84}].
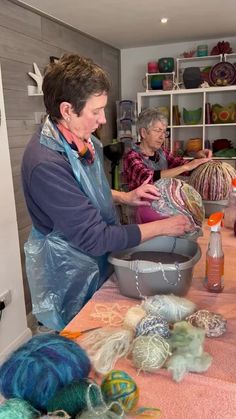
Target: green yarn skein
[
  {"x": 74, "y": 398},
  {"x": 17, "y": 409}
]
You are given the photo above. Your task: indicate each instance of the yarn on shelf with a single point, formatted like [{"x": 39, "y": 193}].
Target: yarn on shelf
[
  {"x": 149, "y": 353},
  {"x": 17, "y": 409},
  {"x": 214, "y": 324},
  {"x": 47, "y": 361},
  {"x": 171, "y": 307}
]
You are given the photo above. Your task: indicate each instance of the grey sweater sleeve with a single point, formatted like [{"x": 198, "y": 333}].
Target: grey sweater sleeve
[{"x": 59, "y": 199}]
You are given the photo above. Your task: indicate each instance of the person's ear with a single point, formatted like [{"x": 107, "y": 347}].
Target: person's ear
[
  {"x": 66, "y": 111},
  {"x": 143, "y": 132}
]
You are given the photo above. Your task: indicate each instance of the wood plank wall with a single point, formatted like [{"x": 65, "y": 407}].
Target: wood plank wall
[{"x": 27, "y": 37}]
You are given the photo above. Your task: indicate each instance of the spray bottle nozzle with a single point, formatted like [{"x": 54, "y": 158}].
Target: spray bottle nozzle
[{"x": 215, "y": 221}]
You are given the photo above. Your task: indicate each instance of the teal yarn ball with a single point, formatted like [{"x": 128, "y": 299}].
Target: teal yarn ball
[
  {"x": 74, "y": 397},
  {"x": 118, "y": 386},
  {"x": 41, "y": 367},
  {"x": 17, "y": 409}
]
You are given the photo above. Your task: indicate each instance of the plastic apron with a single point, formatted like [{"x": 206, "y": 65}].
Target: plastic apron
[{"x": 62, "y": 278}]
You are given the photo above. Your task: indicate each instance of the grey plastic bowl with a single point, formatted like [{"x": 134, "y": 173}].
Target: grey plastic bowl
[{"x": 137, "y": 279}]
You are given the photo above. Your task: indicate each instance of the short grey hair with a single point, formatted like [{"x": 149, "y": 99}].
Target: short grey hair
[{"x": 148, "y": 117}]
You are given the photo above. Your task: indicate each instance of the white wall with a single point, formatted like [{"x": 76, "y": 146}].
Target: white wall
[
  {"x": 13, "y": 327},
  {"x": 134, "y": 62}
]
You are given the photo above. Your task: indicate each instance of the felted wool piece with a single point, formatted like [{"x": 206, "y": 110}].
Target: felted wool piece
[
  {"x": 178, "y": 197},
  {"x": 213, "y": 180},
  {"x": 186, "y": 344}
]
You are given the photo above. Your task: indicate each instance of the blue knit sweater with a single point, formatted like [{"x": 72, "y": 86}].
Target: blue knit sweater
[{"x": 56, "y": 202}]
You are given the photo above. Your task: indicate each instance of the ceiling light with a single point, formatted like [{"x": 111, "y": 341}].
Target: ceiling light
[{"x": 164, "y": 20}]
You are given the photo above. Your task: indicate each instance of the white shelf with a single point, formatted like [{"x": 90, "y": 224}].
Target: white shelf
[{"x": 191, "y": 99}]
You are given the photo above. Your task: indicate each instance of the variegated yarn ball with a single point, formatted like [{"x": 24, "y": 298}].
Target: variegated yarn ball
[
  {"x": 171, "y": 307},
  {"x": 152, "y": 325},
  {"x": 178, "y": 197},
  {"x": 213, "y": 180},
  {"x": 149, "y": 353},
  {"x": 214, "y": 324}
]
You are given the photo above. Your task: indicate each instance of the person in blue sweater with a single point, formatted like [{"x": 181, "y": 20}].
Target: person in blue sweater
[{"x": 71, "y": 205}]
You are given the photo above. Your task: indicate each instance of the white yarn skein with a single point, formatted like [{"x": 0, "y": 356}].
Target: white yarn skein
[
  {"x": 171, "y": 307},
  {"x": 133, "y": 316},
  {"x": 105, "y": 346}
]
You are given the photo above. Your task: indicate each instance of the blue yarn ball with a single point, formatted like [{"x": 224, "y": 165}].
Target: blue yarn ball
[
  {"x": 41, "y": 367},
  {"x": 151, "y": 325}
]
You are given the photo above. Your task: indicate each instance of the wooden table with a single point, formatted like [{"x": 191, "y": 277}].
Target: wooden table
[{"x": 211, "y": 395}]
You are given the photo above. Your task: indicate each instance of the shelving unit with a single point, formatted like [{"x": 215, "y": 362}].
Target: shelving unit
[
  {"x": 182, "y": 63},
  {"x": 191, "y": 99}
]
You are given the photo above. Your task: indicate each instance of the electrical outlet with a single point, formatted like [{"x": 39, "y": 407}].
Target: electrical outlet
[{"x": 6, "y": 297}]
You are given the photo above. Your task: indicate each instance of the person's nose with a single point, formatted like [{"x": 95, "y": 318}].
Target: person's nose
[{"x": 102, "y": 118}]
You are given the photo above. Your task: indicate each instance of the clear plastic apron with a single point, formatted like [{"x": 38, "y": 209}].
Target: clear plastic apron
[{"x": 62, "y": 278}]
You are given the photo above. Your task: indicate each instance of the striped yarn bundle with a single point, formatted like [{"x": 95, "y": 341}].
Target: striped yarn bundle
[
  {"x": 213, "y": 180},
  {"x": 42, "y": 366},
  {"x": 178, "y": 197},
  {"x": 118, "y": 386},
  {"x": 151, "y": 325},
  {"x": 214, "y": 324}
]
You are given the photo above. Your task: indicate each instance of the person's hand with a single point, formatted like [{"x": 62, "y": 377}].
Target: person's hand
[
  {"x": 192, "y": 164},
  {"x": 204, "y": 153},
  {"x": 177, "y": 225},
  {"x": 143, "y": 195}
]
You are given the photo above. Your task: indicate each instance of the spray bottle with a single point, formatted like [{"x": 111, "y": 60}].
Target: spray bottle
[
  {"x": 230, "y": 210},
  {"x": 215, "y": 257}
]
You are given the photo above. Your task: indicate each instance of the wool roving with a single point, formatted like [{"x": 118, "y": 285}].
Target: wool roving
[
  {"x": 75, "y": 397},
  {"x": 214, "y": 324},
  {"x": 171, "y": 307},
  {"x": 106, "y": 346},
  {"x": 213, "y": 180},
  {"x": 118, "y": 386},
  {"x": 149, "y": 353},
  {"x": 107, "y": 415},
  {"x": 178, "y": 197},
  {"x": 133, "y": 317},
  {"x": 42, "y": 366},
  {"x": 151, "y": 325},
  {"x": 17, "y": 409}
]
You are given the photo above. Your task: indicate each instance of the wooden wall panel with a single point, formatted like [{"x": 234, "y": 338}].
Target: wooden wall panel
[{"x": 27, "y": 37}]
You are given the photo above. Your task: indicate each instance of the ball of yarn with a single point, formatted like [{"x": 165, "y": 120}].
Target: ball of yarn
[
  {"x": 151, "y": 325},
  {"x": 150, "y": 352},
  {"x": 42, "y": 366},
  {"x": 133, "y": 317},
  {"x": 171, "y": 307},
  {"x": 213, "y": 180},
  {"x": 119, "y": 386},
  {"x": 75, "y": 397},
  {"x": 214, "y": 324},
  {"x": 17, "y": 409}
]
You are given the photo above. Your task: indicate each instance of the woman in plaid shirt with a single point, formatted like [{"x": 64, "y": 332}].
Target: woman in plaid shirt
[{"x": 149, "y": 160}]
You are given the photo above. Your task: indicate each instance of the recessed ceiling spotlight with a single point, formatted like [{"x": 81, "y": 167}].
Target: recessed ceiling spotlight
[{"x": 164, "y": 20}]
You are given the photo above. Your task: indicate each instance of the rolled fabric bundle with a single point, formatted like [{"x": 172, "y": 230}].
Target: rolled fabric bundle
[
  {"x": 178, "y": 197},
  {"x": 213, "y": 180}
]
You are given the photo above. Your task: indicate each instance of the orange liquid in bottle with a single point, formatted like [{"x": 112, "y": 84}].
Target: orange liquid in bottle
[{"x": 214, "y": 281}]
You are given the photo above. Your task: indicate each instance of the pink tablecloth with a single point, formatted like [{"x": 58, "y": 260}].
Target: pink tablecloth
[{"x": 211, "y": 395}]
